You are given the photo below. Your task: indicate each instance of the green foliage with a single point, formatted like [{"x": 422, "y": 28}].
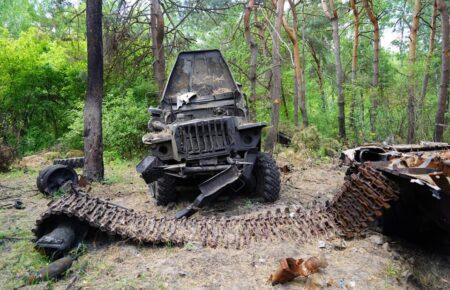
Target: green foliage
[
  {"x": 124, "y": 121},
  {"x": 310, "y": 139},
  {"x": 43, "y": 71},
  {"x": 39, "y": 82}
]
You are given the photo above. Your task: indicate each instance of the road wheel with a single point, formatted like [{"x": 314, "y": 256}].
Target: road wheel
[
  {"x": 267, "y": 177},
  {"x": 51, "y": 178},
  {"x": 165, "y": 190},
  {"x": 76, "y": 162}
]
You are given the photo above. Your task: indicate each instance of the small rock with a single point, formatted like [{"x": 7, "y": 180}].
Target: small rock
[
  {"x": 376, "y": 239},
  {"x": 352, "y": 284},
  {"x": 182, "y": 273},
  {"x": 322, "y": 244},
  {"x": 406, "y": 273},
  {"x": 386, "y": 247},
  {"x": 340, "y": 245}
]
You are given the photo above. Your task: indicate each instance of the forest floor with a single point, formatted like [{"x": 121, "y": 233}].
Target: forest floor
[{"x": 373, "y": 262}]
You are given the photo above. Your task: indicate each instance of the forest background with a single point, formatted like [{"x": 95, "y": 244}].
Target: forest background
[{"x": 351, "y": 72}]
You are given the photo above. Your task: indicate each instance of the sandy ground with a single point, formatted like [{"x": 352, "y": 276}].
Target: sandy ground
[{"x": 374, "y": 262}]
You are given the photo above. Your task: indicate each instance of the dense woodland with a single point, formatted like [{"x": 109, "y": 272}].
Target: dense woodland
[{"x": 354, "y": 71}]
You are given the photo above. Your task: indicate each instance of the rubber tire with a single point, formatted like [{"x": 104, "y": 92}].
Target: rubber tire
[
  {"x": 75, "y": 162},
  {"x": 165, "y": 190},
  {"x": 44, "y": 175},
  {"x": 267, "y": 177}
]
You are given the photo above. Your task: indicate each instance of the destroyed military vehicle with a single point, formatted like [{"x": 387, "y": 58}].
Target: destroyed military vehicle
[{"x": 201, "y": 137}]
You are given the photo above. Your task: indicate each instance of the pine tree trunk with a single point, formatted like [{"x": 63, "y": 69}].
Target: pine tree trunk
[
  {"x": 292, "y": 33},
  {"x": 93, "y": 140},
  {"x": 275, "y": 93},
  {"x": 337, "y": 58},
  {"x": 426, "y": 76},
  {"x": 157, "y": 33},
  {"x": 354, "y": 69},
  {"x": 411, "y": 73},
  {"x": 253, "y": 54},
  {"x": 368, "y": 6},
  {"x": 319, "y": 76},
  {"x": 443, "y": 100}
]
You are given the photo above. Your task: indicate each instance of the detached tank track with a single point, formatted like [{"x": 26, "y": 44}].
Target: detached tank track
[{"x": 361, "y": 200}]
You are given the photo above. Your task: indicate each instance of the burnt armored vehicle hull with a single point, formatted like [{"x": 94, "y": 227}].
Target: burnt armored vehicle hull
[
  {"x": 201, "y": 137},
  {"x": 422, "y": 175}
]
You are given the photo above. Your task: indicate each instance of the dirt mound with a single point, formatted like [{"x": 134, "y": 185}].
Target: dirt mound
[{"x": 38, "y": 161}]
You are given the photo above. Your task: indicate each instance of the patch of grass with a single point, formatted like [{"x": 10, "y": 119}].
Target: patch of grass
[
  {"x": 18, "y": 261},
  {"x": 17, "y": 173},
  {"x": 392, "y": 271},
  {"x": 248, "y": 204},
  {"x": 118, "y": 171},
  {"x": 189, "y": 246},
  {"x": 15, "y": 233}
]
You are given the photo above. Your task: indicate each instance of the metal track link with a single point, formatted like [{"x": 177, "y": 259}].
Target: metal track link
[{"x": 360, "y": 201}]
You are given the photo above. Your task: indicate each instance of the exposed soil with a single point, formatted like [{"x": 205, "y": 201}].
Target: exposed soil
[{"x": 375, "y": 262}]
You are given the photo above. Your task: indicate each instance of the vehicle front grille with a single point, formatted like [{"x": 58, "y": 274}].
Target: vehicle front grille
[{"x": 204, "y": 138}]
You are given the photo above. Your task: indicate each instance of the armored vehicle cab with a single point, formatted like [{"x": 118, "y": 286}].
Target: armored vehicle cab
[{"x": 200, "y": 135}]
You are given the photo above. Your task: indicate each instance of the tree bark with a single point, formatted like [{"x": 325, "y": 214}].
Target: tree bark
[
  {"x": 157, "y": 33},
  {"x": 354, "y": 68},
  {"x": 276, "y": 79},
  {"x": 441, "y": 122},
  {"x": 265, "y": 51},
  {"x": 426, "y": 75},
  {"x": 368, "y": 6},
  {"x": 253, "y": 53},
  {"x": 412, "y": 74},
  {"x": 93, "y": 140},
  {"x": 292, "y": 33},
  {"x": 319, "y": 73},
  {"x": 337, "y": 58}
]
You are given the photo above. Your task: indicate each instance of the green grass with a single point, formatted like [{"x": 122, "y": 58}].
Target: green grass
[
  {"x": 19, "y": 260},
  {"x": 16, "y": 173},
  {"x": 118, "y": 171}
]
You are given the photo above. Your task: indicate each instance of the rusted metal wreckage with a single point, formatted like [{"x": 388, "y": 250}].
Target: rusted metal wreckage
[
  {"x": 422, "y": 175},
  {"x": 379, "y": 179}
]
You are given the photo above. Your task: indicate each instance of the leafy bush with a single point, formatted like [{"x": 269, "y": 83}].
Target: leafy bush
[
  {"x": 124, "y": 123},
  {"x": 310, "y": 139}
]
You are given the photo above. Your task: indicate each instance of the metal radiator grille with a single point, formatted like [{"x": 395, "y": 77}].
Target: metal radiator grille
[{"x": 204, "y": 137}]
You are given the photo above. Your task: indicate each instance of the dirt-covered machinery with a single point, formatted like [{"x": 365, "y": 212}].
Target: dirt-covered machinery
[{"x": 201, "y": 137}]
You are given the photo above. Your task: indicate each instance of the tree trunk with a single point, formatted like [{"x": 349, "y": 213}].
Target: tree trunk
[
  {"x": 93, "y": 142},
  {"x": 253, "y": 54},
  {"x": 157, "y": 33},
  {"x": 412, "y": 74},
  {"x": 441, "y": 123},
  {"x": 276, "y": 79},
  {"x": 354, "y": 68},
  {"x": 292, "y": 33},
  {"x": 265, "y": 51},
  {"x": 426, "y": 75},
  {"x": 368, "y": 6},
  {"x": 319, "y": 76},
  {"x": 337, "y": 58}
]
